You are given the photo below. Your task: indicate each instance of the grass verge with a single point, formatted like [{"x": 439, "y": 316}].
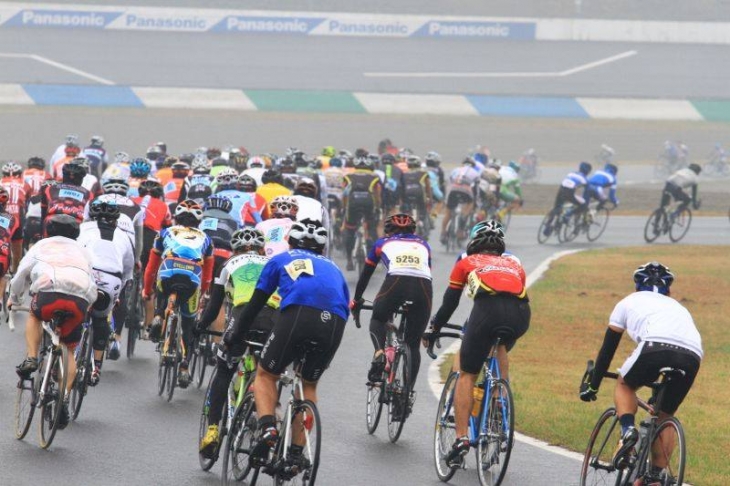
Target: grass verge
[{"x": 570, "y": 309}]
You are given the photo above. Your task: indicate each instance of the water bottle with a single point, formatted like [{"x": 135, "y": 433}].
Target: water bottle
[
  {"x": 644, "y": 430},
  {"x": 389, "y": 356},
  {"x": 478, "y": 393}
]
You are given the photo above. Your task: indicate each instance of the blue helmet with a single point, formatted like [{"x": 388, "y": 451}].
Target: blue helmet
[
  {"x": 335, "y": 162},
  {"x": 139, "y": 168},
  {"x": 514, "y": 165},
  {"x": 611, "y": 169},
  {"x": 585, "y": 168}
]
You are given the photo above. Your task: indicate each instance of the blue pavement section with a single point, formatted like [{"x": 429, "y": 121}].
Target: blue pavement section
[
  {"x": 111, "y": 96},
  {"x": 527, "y": 106}
]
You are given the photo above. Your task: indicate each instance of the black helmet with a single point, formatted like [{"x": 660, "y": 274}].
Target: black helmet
[
  {"x": 399, "y": 223},
  {"x": 488, "y": 236},
  {"x": 585, "y": 168},
  {"x": 218, "y": 202},
  {"x": 653, "y": 276},
  {"x": 272, "y": 175},
  {"x": 695, "y": 168},
  {"x": 74, "y": 171},
  {"x": 36, "y": 163},
  {"x": 308, "y": 234},
  {"x": 152, "y": 188},
  {"x": 246, "y": 183},
  {"x": 62, "y": 225},
  {"x": 104, "y": 211}
]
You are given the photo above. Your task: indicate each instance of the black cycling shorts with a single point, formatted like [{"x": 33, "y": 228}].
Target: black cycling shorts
[
  {"x": 491, "y": 312},
  {"x": 264, "y": 322},
  {"x": 654, "y": 356},
  {"x": 297, "y": 324},
  {"x": 359, "y": 210},
  {"x": 148, "y": 240},
  {"x": 456, "y": 197}
]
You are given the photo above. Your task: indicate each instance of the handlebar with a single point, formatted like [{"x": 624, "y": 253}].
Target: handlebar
[
  {"x": 438, "y": 335},
  {"x": 588, "y": 375}
]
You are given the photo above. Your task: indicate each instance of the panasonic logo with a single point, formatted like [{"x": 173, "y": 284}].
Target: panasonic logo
[
  {"x": 468, "y": 30},
  {"x": 193, "y": 23},
  {"x": 368, "y": 28},
  {"x": 63, "y": 19},
  {"x": 243, "y": 24}
]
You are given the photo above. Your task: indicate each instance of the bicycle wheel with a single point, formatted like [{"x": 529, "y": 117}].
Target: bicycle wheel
[
  {"x": 669, "y": 451},
  {"x": 597, "y": 468},
  {"x": 598, "y": 224},
  {"x": 445, "y": 429},
  {"x": 653, "y": 227},
  {"x": 162, "y": 371},
  {"x": 570, "y": 228},
  {"x": 398, "y": 388},
  {"x": 203, "y": 351},
  {"x": 506, "y": 219},
  {"x": 240, "y": 441},
  {"x": 135, "y": 317},
  {"x": 495, "y": 445},
  {"x": 680, "y": 225},
  {"x": 25, "y": 401},
  {"x": 84, "y": 362},
  {"x": 360, "y": 255},
  {"x": 373, "y": 406},
  {"x": 174, "y": 363},
  {"x": 305, "y": 423},
  {"x": 53, "y": 395},
  {"x": 206, "y": 462},
  {"x": 546, "y": 228}
]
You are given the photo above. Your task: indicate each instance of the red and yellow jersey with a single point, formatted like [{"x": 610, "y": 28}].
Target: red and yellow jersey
[
  {"x": 19, "y": 192},
  {"x": 489, "y": 274},
  {"x": 35, "y": 179}
]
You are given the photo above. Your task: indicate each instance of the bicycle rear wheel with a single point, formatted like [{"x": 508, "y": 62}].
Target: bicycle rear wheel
[
  {"x": 668, "y": 442},
  {"x": 545, "y": 231},
  {"x": 53, "y": 396},
  {"x": 84, "y": 363},
  {"x": 373, "y": 406},
  {"x": 598, "y": 224},
  {"x": 653, "y": 227},
  {"x": 206, "y": 462},
  {"x": 398, "y": 389},
  {"x": 240, "y": 441},
  {"x": 680, "y": 225},
  {"x": 570, "y": 229},
  {"x": 597, "y": 468},
  {"x": 203, "y": 351},
  {"x": 305, "y": 422},
  {"x": 495, "y": 446},
  {"x": 445, "y": 429},
  {"x": 173, "y": 363},
  {"x": 25, "y": 401}
]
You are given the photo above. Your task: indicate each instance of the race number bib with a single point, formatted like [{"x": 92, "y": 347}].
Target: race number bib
[
  {"x": 298, "y": 267},
  {"x": 71, "y": 194},
  {"x": 210, "y": 224},
  {"x": 472, "y": 284},
  {"x": 407, "y": 260},
  {"x": 4, "y": 222}
]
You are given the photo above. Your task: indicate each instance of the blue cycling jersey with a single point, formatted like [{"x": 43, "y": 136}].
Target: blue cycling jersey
[
  {"x": 183, "y": 251},
  {"x": 306, "y": 278}
]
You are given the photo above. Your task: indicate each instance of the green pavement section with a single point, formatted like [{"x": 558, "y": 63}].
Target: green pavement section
[
  {"x": 713, "y": 110},
  {"x": 305, "y": 101}
]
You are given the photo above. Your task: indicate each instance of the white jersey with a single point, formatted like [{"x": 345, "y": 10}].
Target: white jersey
[
  {"x": 111, "y": 249},
  {"x": 90, "y": 183},
  {"x": 275, "y": 232},
  {"x": 651, "y": 316},
  {"x": 508, "y": 174},
  {"x": 58, "y": 154},
  {"x": 131, "y": 216},
  {"x": 311, "y": 209},
  {"x": 256, "y": 173},
  {"x": 683, "y": 178}
]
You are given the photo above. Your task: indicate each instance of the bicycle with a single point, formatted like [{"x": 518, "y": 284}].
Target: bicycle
[
  {"x": 674, "y": 222},
  {"x": 136, "y": 316},
  {"x": 171, "y": 348},
  {"x": 46, "y": 388},
  {"x": 200, "y": 354},
  {"x": 6, "y": 296},
  {"x": 420, "y": 216},
  {"x": 456, "y": 231},
  {"x": 598, "y": 465},
  {"x": 361, "y": 250},
  {"x": 491, "y": 423},
  {"x": 84, "y": 356},
  {"x": 301, "y": 418},
  {"x": 394, "y": 388},
  {"x": 591, "y": 220},
  {"x": 552, "y": 224}
]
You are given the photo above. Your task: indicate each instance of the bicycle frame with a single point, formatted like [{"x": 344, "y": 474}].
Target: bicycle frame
[
  {"x": 490, "y": 370},
  {"x": 172, "y": 312}
]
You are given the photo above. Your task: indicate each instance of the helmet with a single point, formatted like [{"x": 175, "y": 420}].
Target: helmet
[
  {"x": 200, "y": 164},
  {"x": 607, "y": 149},
  {"x": 433, "y": 159},
  {"x": 72, "y": 140},
  {"x": 272, "y": 175},
  {"x": 12, "y": 169},
  {"x": 345, "y": 155},
  {"x": 404, "y": 153},
  {"x": 139, "y": 168},
  {"x": 329, "y": 151},
  {"x": 62, "y": 225},
  {"x": 413, "y": 162},
  {"x": 162, "y": 146},
  {"x": 121, "y": 158},
  {"x": 695, "y": 168},
  {"x": 226, "y": 177},
  {"x": 246, "y": 183},
  {"x": 153, "y": 188},
  {"x": 284, "y": 207},
  {"x": 488, "y": 236},
  {"x": 187, "y": 157},
  {"x": 308, "y": 234},
  {"x": 585, "y": 168},
  {"x": 36, "y": 163},
  {"x": 213, "y": 153},
  {"x": 286, "y": 165},
  {"x": 74, "y": 171},
  {"x": 190, "y": 211},
  {"x": 301, "y": 159},
  {"x": 315, "y": 164},
  {"x": 469, "y": 160},
  {"x": 154, "y": 153},
  {"x": 515, "y": 166},
  {"x": 97, "y": 141},
  {"x": 611, "y": 169},
  {"x": 363, "y": 163},
  {"x": 218, "y": 202},
  {"x": 116, "y": 186},
  {"x": 166, "y": 161},
  {"x": 255, "y": 163},
  {"x": 106, "y": 211},
  {"x": 653, "y": 276},
  {"x": 306, "y": 187},
  {"x": 4, "y": 196},
  {"x": 247, "y": 238},
  {"x": 387, "y": 159},
  {"x": 399, "y": 223},
  {"x": 180, "y": 169},
  {"x": 335, "y": 162}
]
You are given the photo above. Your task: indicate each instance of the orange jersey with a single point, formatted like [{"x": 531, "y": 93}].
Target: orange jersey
[
  {"x": 164, "y": 175},
  {"x": 172, "y": 190},
  {"x": 156, "y": 212},
  {"x": 19, "y": 192},
  {"x": 490, "y": 274},
  {"x": 35, "y": 179}
]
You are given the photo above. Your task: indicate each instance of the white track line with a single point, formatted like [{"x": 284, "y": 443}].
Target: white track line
[
  {"x": 58, "y": 65},
  {"x": 434, "y": 375},
  {"x": 550, "y": 74}
]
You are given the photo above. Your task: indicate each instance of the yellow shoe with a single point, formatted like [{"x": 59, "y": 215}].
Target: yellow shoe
[{"x": 209, "y": 444}]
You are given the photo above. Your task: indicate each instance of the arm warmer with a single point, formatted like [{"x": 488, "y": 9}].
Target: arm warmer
[
  {"x": 208, "y": 264},
  {"x": 362, "y": 283},
  {"x": 694, "y": 194},
  {"x": 217, "y": 294},
  {"x": 150, "y": 273},
  {"x": 610, "y": 343},
  {"x": 448, "y": 306},
  {"x": 249, "y": 313}
]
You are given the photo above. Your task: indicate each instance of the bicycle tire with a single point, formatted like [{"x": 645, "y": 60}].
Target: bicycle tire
[
  {"x": 398, "y": 390},
  {"x": 652, "y": 228},
  {"x": 360, "y": 256},
  {"x": 681, "y": 224},
  {"x": 206, "y": 462},
  {"x": 51, "y": 408},
  {"x": 6, "y": 296},
  {"x": 240, "y": 441},
  {"x": 174, "y": 365},
  {"x": 313, "y": 437},
  {"x": 162, "y": 371},
  {"x": 598, "y": 225},
  {"x": 84, "y": 362},
  {"x": 496, "y": 448},
  {"x": 202, "y": 357},
  {"x": 568, "y": 230},
  {"x": 673, "y": 474},
  {"x": 25, "y": 401},
  {"x": 193, "y": 357},
  {"x": 597, "y": 468},
  {"x": 506, "y": 219},
  {"x": 373, "y": 407},
  {"x": 541, "y": 236},
  {"x": 445, "y": 429}
]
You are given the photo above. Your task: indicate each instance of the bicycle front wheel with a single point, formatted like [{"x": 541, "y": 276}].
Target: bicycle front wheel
[
  {"x": 597, "y": 468},
  {"x": 84, "y": 363},
  {"x": 570, "y": 229},
  {"x": 53, "y": 395},
  {"x": 653, "y": 227},
  {"x": 206, "y": 462},
  {"x": 24, "y": 406},
  {"x": 201, "y": 354},
  {"x": 598, "y": 225},
  {"x": 374, "y": 406},
  {"x": 240, "y": 441},
  {"x": 669, "y": 451},
  {"x": 173, "y": 358},
  {"x": 495, "y": 444},
  {"x": 398, "y": 389},
  {"x": 445, "y": 430},
  {"x": 680, "y": 225},
  {"x": 546, "y": 228}
]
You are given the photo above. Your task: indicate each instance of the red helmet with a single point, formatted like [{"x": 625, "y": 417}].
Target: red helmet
[{"x": 400, "y": 223}]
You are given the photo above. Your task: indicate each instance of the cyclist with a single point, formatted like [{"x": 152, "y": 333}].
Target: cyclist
[
  {"x": 598, "y": 182},
  {"x": 490, "y": 183},
  {"x": 334, "y": 177},
  {"x": 362, "y": 202},
  {"x": 112, "y": 262},
  {"x": 438, "y": 184},
  {"x": 462, "y": 191},
  {"x": 18, "y": 192},
  {"x": 67, "y": 197},
  {"x": 283, "y": 213},
  {"x": 96, "y": 154},
  {"x": 139, "y": 171},
  {"x": 218, "y": 164},
  {"x": 237, "y": 158},
  {"x": 235, "y": 284},
  {"x": 417, "y": 192},
  {"x": 72, "y": 152},
  {"x": 606, "y": 154},
  {"x": 60, "y": 152},
  {"x": 407, "y": 259},
  {"x": 568, "y": 193},
  {"x": 510, "y": 191},
  {"x": 677, "y": 183},
  {"x": 164, "y": 169},
  {"x": 393, "y": 186},
  {"x": 226, "y": 185},
  {"x": 667, "y": 337},
  {"x": 254, "y": 209},
  {"x": 57, "y": 272},
  {"x": 119, "y": 169},
  {"x": 219, "y": 225},
  {"x": 496, "y": 282},
  {"x": 35, "y": 175},
  {"x": 314, "y": 298},
  {"x": 182, "y": 255},
  {"x": 326, "y": 156},
  {"x": 198, "y": 185},
  {"x": 10, "y": 233},
  {"x": 156, "y": 157},
  {"x": 308, "y": 205}
]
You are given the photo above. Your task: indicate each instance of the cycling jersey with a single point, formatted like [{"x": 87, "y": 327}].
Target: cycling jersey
[
  {"x": 57, "y": 167},
  {"x": 463, "y": 179},
  {"x": 307, "y": 279},
  {"x": 35, "y": 179},
  {"x": 10, "y": 230},
  {"x": 510, "y": 187},
  {"x": 275, "y": 232},
  {"x": 19, "y": 191},
  {"x": 310, "y": 208},
  {"x": 131, "y": 215},
  {"x": 172, "y": 190},
  {"x": 111, "y": 253},
  {"x": 596, "y": 184},
  {"x": 270, "y": 190},
  {"x": 64, "y": 199},
  {"x": 415, "y": 184},
  {"x": 184, "y": 252},
  {"x": 117, "y": 171},
  {"x": 491, "y": 274},
  {"x": 574, "y": 180},
  {"x": 254, "y": 210},
  {"x": 335, "y": 181},
  {"x": 436, "y": 191},
  {"x": 404, "y": 254},
  {"x": 683, "y": 178},
  {"x": 164, "y": 175},
  {"x": 239, "y": 277},
  {"x": 219, "y": 226},
  {"x": 156, "y": 212},
  {"x": 97, "y": 158},
  {"x": 256, "y": 173},
  {"x": 361, "y": 185}
]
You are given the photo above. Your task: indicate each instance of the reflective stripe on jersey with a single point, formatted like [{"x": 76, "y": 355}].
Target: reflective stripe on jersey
[{"x": 402, "y": 255}]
